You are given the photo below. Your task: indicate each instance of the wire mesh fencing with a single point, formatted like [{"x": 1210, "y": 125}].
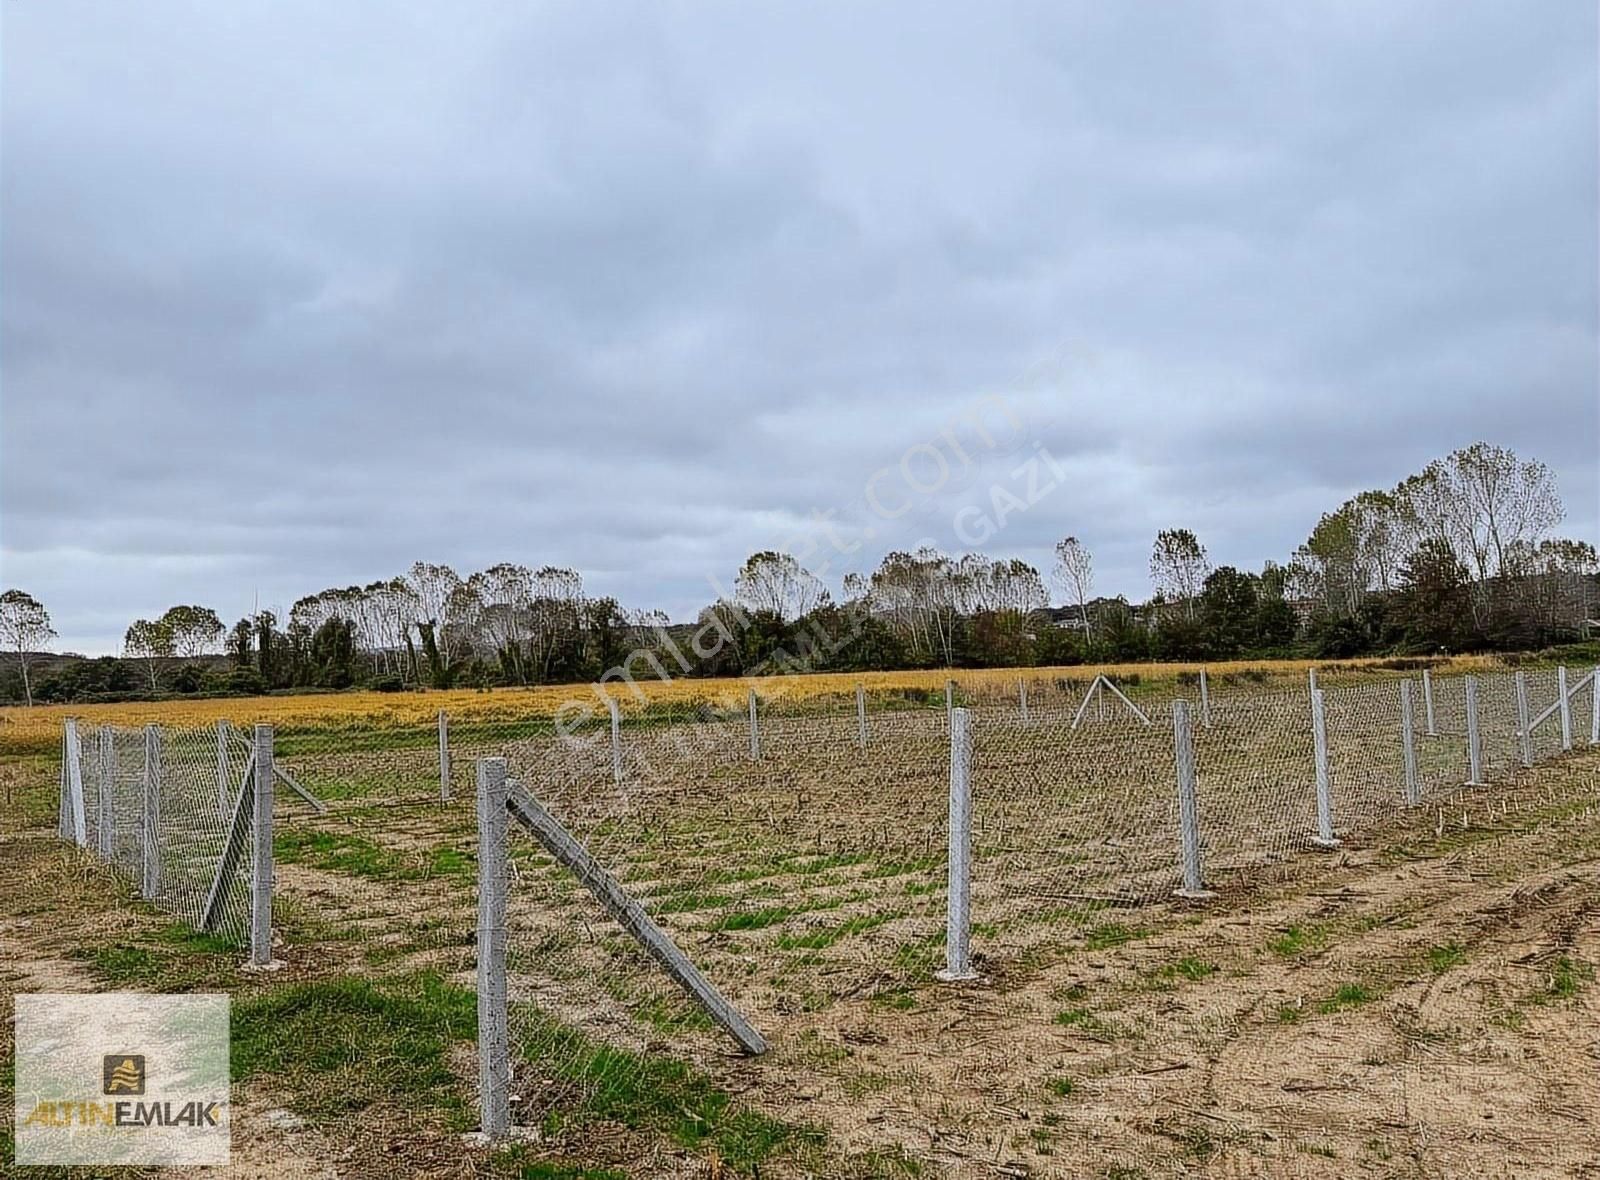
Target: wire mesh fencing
[
  {"x": 676, "y": 872},
  {"x": 179, "y": 815},
  {"x": 784, "y": 864}
]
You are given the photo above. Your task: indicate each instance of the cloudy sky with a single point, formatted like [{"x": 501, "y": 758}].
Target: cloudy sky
[{"x": 292, "y": 295}]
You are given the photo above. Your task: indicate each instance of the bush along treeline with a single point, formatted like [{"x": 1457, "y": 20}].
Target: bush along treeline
[{"x": 1459, "y": 557}]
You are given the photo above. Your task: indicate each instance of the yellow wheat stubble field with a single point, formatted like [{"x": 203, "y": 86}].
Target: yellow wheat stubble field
[{"x": 31, "y": 730}]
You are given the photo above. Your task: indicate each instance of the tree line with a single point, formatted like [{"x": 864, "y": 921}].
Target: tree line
[{"x": 1457, "y": 557}]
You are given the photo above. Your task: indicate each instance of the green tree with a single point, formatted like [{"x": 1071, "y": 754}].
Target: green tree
[
  {"x": 242, "y": 644},
  {"x": 1435, "y": 608},
  {"x": 1229, "y": 611}
]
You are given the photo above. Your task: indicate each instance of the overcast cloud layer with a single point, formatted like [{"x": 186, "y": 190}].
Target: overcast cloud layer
[{"x": 295, "y": 294}]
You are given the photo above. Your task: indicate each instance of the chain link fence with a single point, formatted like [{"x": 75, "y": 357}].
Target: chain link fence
[
  {"x": 654, "y": 873},
  {"x": 180, "y": 815}
]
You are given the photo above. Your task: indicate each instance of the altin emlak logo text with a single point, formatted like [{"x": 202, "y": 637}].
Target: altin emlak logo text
[
  {"x": 136, "y": 1115},
  {"x": 123, "y": 1073}
]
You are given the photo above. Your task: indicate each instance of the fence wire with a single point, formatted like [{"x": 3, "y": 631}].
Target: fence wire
[
  {"x": 803, "y": 860},
  {"x": 172, "y": 852},
  {"x": 793, "y": 870}
]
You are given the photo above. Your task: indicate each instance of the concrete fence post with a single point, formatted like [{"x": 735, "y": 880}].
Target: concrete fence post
[
  {"x": 1474, "y": 741},
  {"x": 224, "y": 773},
  {"x": 949, "y": 700},
  {"x": 494, "y": 1037},
  {"x": 1408, "y": 746},
  {"x": 755, "y": 730},
  {"x": 261, "y": 858},
  {"x": 1594, "y": 702},
  {"x": 1188, "y": 806},
  {"x": 150, "y": 826},
  {"x": 1566, "y": 707},
  {"x": 861, "y": 715},
  {"x": 958, "y": 920},
  {"x": 1311, "y": 677},
  {"x": 1429, "y": 727},
  {"x": 1205, "y": 700},
  {"x": 444, "y": 756},
  {"x": 72, "y": 772},
  {"x": 1524, "y": 735},
  {"x": 1022, "y": 700},
  {"x": 64, "y": 815},
  {"x": 106, "y": 804},
  {"x": 1319, "y": 744},
  {"x": 616, "y": 739}
]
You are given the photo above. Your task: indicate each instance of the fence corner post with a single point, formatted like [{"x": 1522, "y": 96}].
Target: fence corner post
[
  {"x": 261, "y": 860},
  {"x": 755, "y": 729},
  {"x": 1429, "y": 728},
  {"x": 958, "y": 915},
  {"x": 1319, "y": 744},
  {"x": 150, "y": 817},
  {"x": 861, "y": 715},
  {"x": 494, "y": 1037},
  {"x": 1205, "y": 700},
  {"x": 1193, "y": 887},
  {"x": 444, "y": 756}
]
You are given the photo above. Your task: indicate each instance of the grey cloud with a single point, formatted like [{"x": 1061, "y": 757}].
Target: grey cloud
[{"x": 293, "y": 295}]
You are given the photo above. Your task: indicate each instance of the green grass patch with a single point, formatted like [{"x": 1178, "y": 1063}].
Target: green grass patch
[
  {"x": 1189, "y": 968},
  {"x": 171, "y": 958},
  {"x": 1446, "y": 957},
  {"x": 338, "y": 1046},
  {"x": 1297, "y": 941},
  {"x": 753, "y": 919},
  {"x": 689, "y": 902},
  {"x": 899, "y": 999},
  {"x": 816, "y": 940},
  {"x": 653, "y": 1092},
  {"x": 1568, "y": 977},
  {"x": 1111, "y": 934},
  {"x": 1092, "y": 1025},
  {"x": 1061, "y": 1086},
  {"x": 1346, "y": 997},
  {"x": 344, "y": 852}
]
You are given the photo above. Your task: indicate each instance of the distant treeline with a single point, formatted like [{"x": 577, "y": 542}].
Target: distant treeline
[{"x": 1456, "y": 558}]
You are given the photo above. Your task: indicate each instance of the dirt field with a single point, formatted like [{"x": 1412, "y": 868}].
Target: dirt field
[{"x": 1419, "y": 1003}]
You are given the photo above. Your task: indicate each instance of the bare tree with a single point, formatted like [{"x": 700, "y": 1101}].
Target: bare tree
[
  {"x": 149, "y": 640},
  {"x": 433, "y": 586},
  {"x": 1179, "y": 567},
  {"x": 776, "y": 582},
  {"x": 916, "y": 595},
  {"x": 24, "y": 629},
  {"x": 1485, "y": 502},
  {"x": 504, "y": 593},
  {"x": 556, "y": 616},
  {"x": 1074, "y": 574}
]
